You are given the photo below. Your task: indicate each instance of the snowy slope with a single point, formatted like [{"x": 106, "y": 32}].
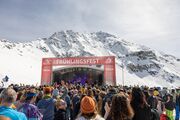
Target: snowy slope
[
  {"x": 22, "y": 61},
  {"x": 142, "y": 65}
]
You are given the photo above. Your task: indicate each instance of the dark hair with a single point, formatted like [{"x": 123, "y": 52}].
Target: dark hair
[
  {"x": 30, "y": 95},
  {"x": 20, "y": 93},
  {"x": 120, "y": 108},
  {"x": 90, "y": 93},
  {"x": 138, "y": 99}
]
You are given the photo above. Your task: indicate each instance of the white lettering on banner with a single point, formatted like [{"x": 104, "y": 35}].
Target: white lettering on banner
[
  {"x": 46, "y": 70},
  {"x": 46, "y": 61},
  {"x": 109, "y": 69},
  {"x": 75, "y": 61}
]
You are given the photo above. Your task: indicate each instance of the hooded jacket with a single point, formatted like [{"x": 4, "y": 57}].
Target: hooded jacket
[{"x": 47, "y": 107}]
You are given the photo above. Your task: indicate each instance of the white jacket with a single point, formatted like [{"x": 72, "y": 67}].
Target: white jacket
[{"x": 98, "y": 117}]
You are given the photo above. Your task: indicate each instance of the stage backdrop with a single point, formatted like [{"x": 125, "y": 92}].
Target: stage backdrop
[{"x": 107, "y": 61}]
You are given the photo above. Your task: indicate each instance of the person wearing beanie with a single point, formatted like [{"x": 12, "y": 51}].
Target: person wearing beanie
[
  {"x": 152, "y": 99},
  {"x": 170, "y": 106},
  {"x": 47, "y": 104},
  {"x": 88, "y": 109},
  {"x": 156, "y": 93}
]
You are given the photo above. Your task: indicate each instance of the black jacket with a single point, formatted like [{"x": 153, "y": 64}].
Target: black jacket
[
  {"x": 170, "y": 105},
  {"x": 142, "y": 113},
  {"x": 105, "y": 99},
  {"x": 60, "y": 115},
  {"x": 152, "y": 101}
]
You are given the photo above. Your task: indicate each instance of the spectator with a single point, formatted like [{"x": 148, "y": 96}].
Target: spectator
[
  {"x": 160, "y": 107},
  {"x": 20, "y": 99},
  {"x": 108, "y": 98},
  {"x": 75, "y": 101},
  {"x": 170, "y": 106},
  {"x": 88, "y": 110},
  {"x": 29, "y": 109},
  {"x": 120, "y": 108},
  {"x": 77, "y": 106},
  {"x": 100, "y": 101},
  {"x": 60, "y": 114},
  {"x": 177, "y": 106},
  {"x": 152, "y": 100},
  {"x": 47, "y": 105},
  {"x": 8, "y": 97},
  {"x": 141, "y": 109},
  {"x": 67, "y": 99},
  {"x": 55, "y": 92}
]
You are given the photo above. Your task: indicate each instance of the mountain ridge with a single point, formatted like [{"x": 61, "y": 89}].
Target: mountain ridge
[{"x": 140, "y": 62}]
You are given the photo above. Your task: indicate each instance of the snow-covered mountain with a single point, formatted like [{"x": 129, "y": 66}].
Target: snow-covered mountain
[{"x": 142, "y": 65}]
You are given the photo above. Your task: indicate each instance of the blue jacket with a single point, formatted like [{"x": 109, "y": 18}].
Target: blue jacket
[
  {"x": 47, "y": 107},
  {"x": 11, "y": 113}
]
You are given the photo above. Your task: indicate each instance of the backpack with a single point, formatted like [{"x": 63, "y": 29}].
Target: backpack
[
  {"x": 164, "y": 117},
  {"x": 154, "y": 114}
]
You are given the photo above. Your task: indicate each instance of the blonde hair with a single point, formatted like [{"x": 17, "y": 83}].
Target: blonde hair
[
  {"x": 8, "y": 95},
  {"x": 60, "y": 102}
]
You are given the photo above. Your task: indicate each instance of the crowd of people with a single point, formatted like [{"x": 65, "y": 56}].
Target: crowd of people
[{"x": 66, "y": 101}]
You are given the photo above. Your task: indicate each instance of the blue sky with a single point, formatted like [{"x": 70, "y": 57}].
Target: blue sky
[{"x": 153, "y": 23}]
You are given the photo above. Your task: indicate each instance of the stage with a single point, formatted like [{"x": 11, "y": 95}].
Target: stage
[{"x": 79, "y": 74}]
